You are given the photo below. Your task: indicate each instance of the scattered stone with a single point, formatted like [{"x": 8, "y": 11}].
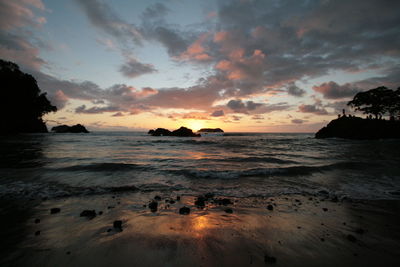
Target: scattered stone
[
  {"x": 118, "y": 225},
  {"x": 90, "y": 214},
  {"x": 270, "y": 207},
  {"x": 109, "y": 230},
  {"x": 37, "y": 220},
  {"x": 351, "y": 238},
  {"x": 269, "y": 259},
  {"x": 171, "y": 201},
  {"x": 297, "y": 200},
  {"x": 335, "y": 199},
  {"x": 178, "y": 198},
  {"x": 110, "y": 207},
  {"x": 322, "y": 239},
  {"x": 37, "y": 233},
  {"x": 209, "y": 195},
  {"x": 224, "y": 201},
  {"x": 55, "y": 210},
  {"x": 158, "y": 198},
  {"x": 113, "y": 196},
  {"x": 100, "y": 213},
  {"x": 184, "y": 211},
  {"x": 68, "y": 252},
  {"x": 298, "y": 227},
  {"x": 228, "y": 210},
  {"x": 324, "y": 209},
  {"x": 344, "y": 223},
  {"x": 118, "y": 202},
  {"x": 153, "y": 206}
]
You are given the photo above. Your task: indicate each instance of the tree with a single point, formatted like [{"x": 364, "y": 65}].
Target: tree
[
  {"x": 377, "y": 102},
  {"x": 22, "y": 105}
]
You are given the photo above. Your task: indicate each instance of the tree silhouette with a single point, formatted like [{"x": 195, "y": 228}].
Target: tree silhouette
[
  {"x": 21, "y": 103},
  {"x": 377, "y": 102}
]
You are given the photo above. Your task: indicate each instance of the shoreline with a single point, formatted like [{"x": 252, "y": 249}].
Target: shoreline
[{"x": 299, "y": 230}]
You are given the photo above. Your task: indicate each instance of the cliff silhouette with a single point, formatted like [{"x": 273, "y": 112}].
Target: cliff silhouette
[
  {"x": 22, "y": 105},
  {"x": 359, "y": 128}
]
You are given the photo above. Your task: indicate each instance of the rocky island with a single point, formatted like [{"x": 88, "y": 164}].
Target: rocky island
[
  {"x": 181, "y": 132},
  {"x": 359, "y": 128},
  {"x": 78, "y": 128}
]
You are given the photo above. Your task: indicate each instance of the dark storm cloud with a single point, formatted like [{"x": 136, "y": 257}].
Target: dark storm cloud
[
  {"x": 134, "y": 68},
  {"x": 294, "y": 90},
  {"x": 332, "y": 90},
  {"x": 96, "y": 110}
]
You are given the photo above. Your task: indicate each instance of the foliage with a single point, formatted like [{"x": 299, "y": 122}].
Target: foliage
[
  {"x": 377, "y": 102},
  {"x": 21, "y": 103}
]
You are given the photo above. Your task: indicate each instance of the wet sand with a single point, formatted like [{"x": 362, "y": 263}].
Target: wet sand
[{"x": 300, "y": 230}]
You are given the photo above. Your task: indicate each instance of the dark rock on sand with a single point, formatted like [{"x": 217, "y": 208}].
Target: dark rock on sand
[
  {"x": 228, "y": 210},
  {"x": 37, "y": 220},
  {"x": 90, "y": 214},
  {"x": 118, "y": 225},
  {"x": 37, "y": 233},
  {"x": 269, "y": 259},
  {"x": 78, "y": 128},
  {"x": 178, "y": 198},
  {"x": 100, "y": 213},
  {"x": 55, "y": 210},
  {"x": 223, "y": 201},
  {"x": 184, "y": 211},
  {"x": 153, "y": 206},
  {"x": 324, "y": 209},
  {"x": 351, "y": 238},
  {"x": 209, "y": 195},
  {"x": 171, "y": 201},
  {"x": 158, "y": 198},
  {"x": 270, "y": 207}
]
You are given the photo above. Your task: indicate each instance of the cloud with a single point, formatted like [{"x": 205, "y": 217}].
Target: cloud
[
  {"x": 332, "y": 90},
  {"x": 134, "y": 68},
  {"x": 242, "y": 107},
  {"x": 294, "y": 90},
  {"x": 217, "y": 113},
  {"x": 298, "y": 121},
  {"x": 96, "y": 110},
  {"x": 314, "y": 109},
  {"x": 118, "y": 114}
]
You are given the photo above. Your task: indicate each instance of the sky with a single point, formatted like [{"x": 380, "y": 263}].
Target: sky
[{"x": 243, "y": 66}]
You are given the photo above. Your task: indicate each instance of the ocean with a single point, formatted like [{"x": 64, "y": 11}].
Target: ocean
[{"x": 239, "y": 165}]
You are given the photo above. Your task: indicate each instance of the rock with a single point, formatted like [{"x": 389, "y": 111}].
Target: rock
[
  {"x": 37, "y": 233},
  {"x": 210, "y": 130},
  {"x": 68, "y": 253},
  {"x": 322, "y": 239},
  {"x": 335, "y": 199},
  {"x": 158, "y": 198},
  {"x": 153, "y": 206},
  {"x": 171, "y": 201},
  {"x": 78, "y": 128},
  {"x": 109, "y": 230},
  {"x": 209, "y": 195},
  {"x": 55, "y": 210},
  {"x": 360, "y": 231},
  {"x": 269, "y": 259},
  {"x": 324, "y": 209},
  {"x": 351, "y": 238},
  {"x": 37, "y": 220},
  {"x": 100, "y": 213},
  {"x": 110, "y": 207},
  {"x": 181, "y": 132},
  {"x": 178, "y": 198},
  {"x": 200, "y": 202},
  {"x": 184, "y": 211},
  {"x": 160, "y": 132},
  {"x": 270, "y": 207},
  {"x": 90, "y": 214},
  {"x": 228, "y": 210},
  {"x": 118, "y": 225},
  {"x": 223, "y": 201},
  {"x": 358, "y": 128}
]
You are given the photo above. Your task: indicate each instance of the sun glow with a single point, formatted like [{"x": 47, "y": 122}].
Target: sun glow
[{"x": 195, "y": 125}]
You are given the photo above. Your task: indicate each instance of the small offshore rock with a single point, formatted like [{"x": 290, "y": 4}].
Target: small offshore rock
[
  {"x": 37, "y": 220},
  {"x": 270, "y": 207},
  {"x": 55, "y": 210},
  {"x": 153, "y": 206},
  {"x": 118, "y": 225},
  {"x": 184, "y": 211},
  {"x": 229, "y": 211},
  {"x": 90, "y": 214}
]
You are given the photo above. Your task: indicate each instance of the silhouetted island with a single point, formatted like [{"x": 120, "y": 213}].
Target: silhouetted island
[
  {"x": 210, "y": 130},
  {"x": 78, "y": 128},
  {"x": 21, "y": 104},
  {"x": 181, "y": 132},
  {"x": 358, "y": 128}
]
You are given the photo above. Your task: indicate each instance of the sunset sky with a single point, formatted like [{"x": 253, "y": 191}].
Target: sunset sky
[{"x": 253, "y": 66}]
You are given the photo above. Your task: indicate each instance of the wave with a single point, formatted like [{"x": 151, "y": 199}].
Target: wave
[{"x": 106, "y": 166}]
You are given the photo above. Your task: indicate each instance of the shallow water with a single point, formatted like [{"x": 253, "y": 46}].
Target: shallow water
[{"x": 239, "y": 165}]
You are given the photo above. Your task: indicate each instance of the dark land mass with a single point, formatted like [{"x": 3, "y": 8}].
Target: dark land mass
[
  {"x": 78, "y": 128},
  {"x": 21, "y": 102},
  {"x": 358, "y": 128},
  {"x": 181, "y": 132},
  {"x": 211, "y": 130}
]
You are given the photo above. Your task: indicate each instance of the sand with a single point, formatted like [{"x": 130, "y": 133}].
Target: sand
[{"x": 300, "y": 230}]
